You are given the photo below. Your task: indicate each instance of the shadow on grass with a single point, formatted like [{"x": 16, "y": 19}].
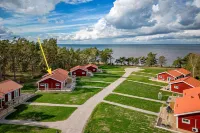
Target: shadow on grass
[
  {"x": 7, "y": 128},
  {"x": 34, "y": 98},
  {"x": 34, "y": 116}
]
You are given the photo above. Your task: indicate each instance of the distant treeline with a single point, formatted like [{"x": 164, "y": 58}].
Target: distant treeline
[
  {"x": 24, "y": 56},
  {"x": 190, "y": 62}
]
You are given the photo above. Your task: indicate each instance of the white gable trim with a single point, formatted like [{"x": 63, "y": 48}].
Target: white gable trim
[
  {"x": 49, "y": 78},
  {"x": 182, "y": 81},
  {"x": 167, "y": 73},
  {"x": 80, "y": 69},
  {"x": 194, "y": 112}
]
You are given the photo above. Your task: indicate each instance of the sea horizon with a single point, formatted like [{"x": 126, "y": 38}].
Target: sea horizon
[{"x": 170, "y": 51}]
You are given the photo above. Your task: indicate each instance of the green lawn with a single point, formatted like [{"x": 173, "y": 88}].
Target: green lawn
[
  {"x": 135, "y": 102},
  {"x": 41, "y": 113},
  {"x": 154, "y": 70},
  {"x": 78, "y": 96},
  {"x": 144, "y": 74},
  {"x": 88, "y": 83},
  {"x": 145, "y": 79},
  {"x": 112, "y": 119},
  {"x": 7, "y": 128},
  {"x": 142, "y": 90},
  {"x": 112, "y": 68}
]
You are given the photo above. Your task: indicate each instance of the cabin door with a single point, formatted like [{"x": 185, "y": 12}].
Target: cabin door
[
  {"x": 46, "y": 86},
  {"x": 168, "y": 79}
]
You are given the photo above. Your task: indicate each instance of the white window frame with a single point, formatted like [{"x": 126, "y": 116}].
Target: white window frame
[
  {"x": 94, "y": 69},
  {"x": 74, "y": 72},
  {"x": 186, "y": 121},
  {"x": 160, "y": 76},
  {"x": 83, "y": 72},
  {"x": 57, "y": 84},
  {"x": 42, "y": 84},
  {"x": 16, "y": 93},
  {"x": 176, "y": 87}
]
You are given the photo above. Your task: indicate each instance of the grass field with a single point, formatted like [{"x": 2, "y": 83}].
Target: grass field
[
  {"x": 112, "y": 68},
  {"x": 41, "y": 113},
  {"x": 7, "y": 128},
  {"x": 135, "y": 102},
  {"x": 112, "y": 119},
  {"x": 78, "y": 96},
  {"x": 141, "y": 90},
  {"x": 154, "y": 70},
  {"x": 88, "y": 83},
  {"x": 145, "y": 79}
]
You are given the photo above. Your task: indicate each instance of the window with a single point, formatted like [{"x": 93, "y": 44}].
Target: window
[
  {"x": 16, "y": 93},
  {"x": 74, "y": 72},
  {"x": 42, "y": 84},
  {"x": 186, "y": 121},
  {"x": 83, "y": 72},
  {"x": 94, "y": 69},
  {"x": 160, "y": 76},
  {"x": 176, "y": 87},
  {"x": 57, "y": 84}
]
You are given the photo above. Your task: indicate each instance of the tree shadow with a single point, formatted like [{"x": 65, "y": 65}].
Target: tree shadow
[{"x": 34, "y": 98}]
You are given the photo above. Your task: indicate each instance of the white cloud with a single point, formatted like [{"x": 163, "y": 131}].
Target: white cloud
[
  {"x": 197, "y": 3},
  {"x": 43, "y": 20},
  {"x": 132, "y": 18},
  {"x": 35, "y": 7},
  {"x": 59, "y": 21}
]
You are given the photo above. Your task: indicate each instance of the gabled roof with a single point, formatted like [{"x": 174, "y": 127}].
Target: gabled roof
[
  {"x": 177, "y": 72},
  {"x": 58, "y": 74},
  {"x": 183, "y": 71},
  {"x": 188, "y": 80},
  {"x": 8, "y": 86},
  {"x": 190, "y": 92},
  {"x": 188, "y": 104},
  {"x": 174, "y": 73},
  {"x": 78, "y": 67},
  {"x": 91, "y": 65}
]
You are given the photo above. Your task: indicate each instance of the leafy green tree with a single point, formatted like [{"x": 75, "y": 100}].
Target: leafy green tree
[
  {"x": 162, "y": 60},
  {"x": 178, "y": 62},
  {"x": 151, "y": 59}
]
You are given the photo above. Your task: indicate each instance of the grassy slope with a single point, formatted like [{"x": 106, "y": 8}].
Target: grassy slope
[
  {"x": 41, "y": 113},
  {"x": 78, "y": 96},
  {"x": 112, "y": 119},
  {"x": 145, "y": 79},
  {"x": 135, "y": 102},
  {"x": 142, "y": 90},
  {"x": 5, "y": 128}
]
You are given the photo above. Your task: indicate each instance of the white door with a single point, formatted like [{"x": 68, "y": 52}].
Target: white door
[
  {"x": 46, "y": 86},
  {"x": 9, "y": 96}
]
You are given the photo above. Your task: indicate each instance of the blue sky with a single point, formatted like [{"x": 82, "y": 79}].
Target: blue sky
[{"x": 102, "y": 21}]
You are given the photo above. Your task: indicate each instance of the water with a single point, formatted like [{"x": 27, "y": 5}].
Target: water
[{"x": 171, "y": 52}]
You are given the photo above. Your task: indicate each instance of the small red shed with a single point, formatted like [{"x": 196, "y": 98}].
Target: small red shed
[
  {"x": 187, "y": 111},
  {"x": 91, "y": 67},
  {"x": 55, "y": 81},
  {"x": 79, "y": 71},
  {"x": 172, "y": 75},
  {"x": 9, "y": 90},
  {"x": 184, "y": 83}
]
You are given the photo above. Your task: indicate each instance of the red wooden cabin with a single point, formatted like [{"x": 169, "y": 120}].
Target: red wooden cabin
[
  {"x": 184, "y": 83},
  {"x": 55, "y": 81},
  {"x": 172, "y": 75},
  {"x": 91, "y": 67},
  {"x": 187, "y": 110},
  {"x": 79, "y": 71},
  {"x": 9, "y": 90}
]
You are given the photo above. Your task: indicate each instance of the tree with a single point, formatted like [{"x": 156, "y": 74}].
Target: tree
[
  {"x": 128, "y": 60},
  {"x": 136, "y": 61},
  {"x": 194, "y": 59},
  {"x": 122, "y": 60},
  {"x": 178, "y": 62},
  {"x": 132, "y": 60},
  {"x": 151, "y": 59},
  {"x": 162, "y": 60},
  {"x": 142, "y": 60}
]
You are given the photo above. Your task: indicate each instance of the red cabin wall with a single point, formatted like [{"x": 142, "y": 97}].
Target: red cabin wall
[
  {"x": 79, "y": 72},
  {"x": 192, "y": 118},
  {"x": 51, "y": 84},
  {"x": 165, "y": 76},
  {"x": 181, "y": 86},
  {"x": 92, "y": 69}
]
